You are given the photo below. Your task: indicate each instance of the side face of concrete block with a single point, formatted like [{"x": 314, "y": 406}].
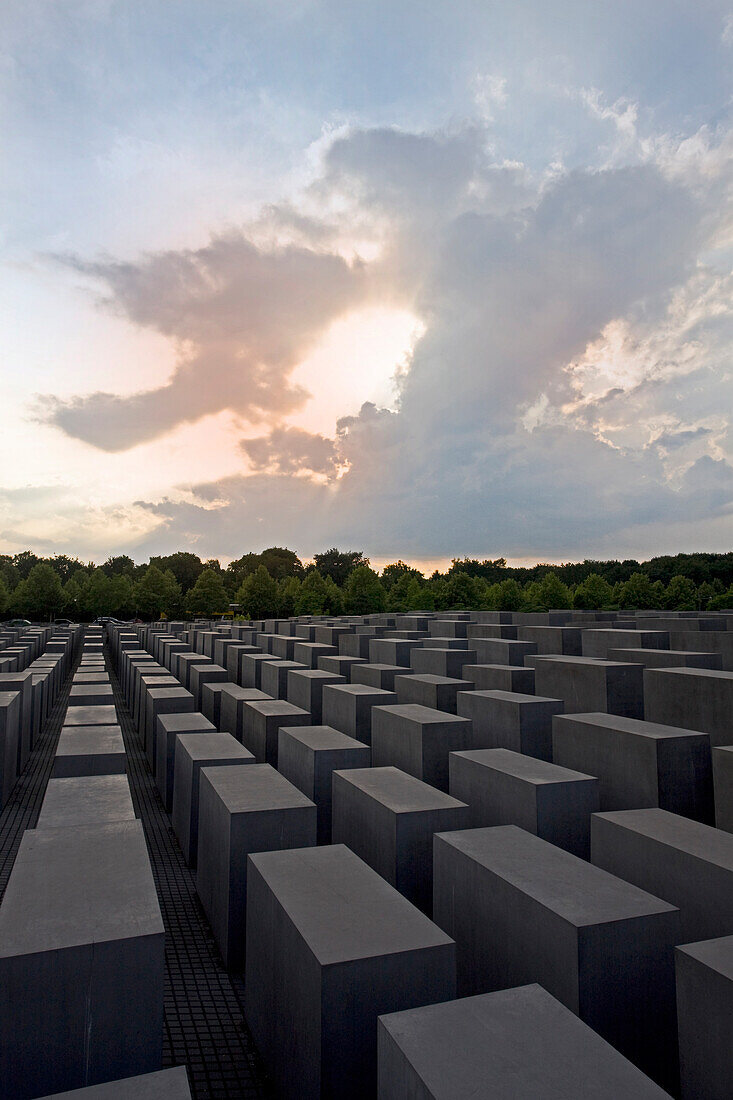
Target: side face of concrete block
[
  {"x": 86, "y": 800},
  {"x": 330, "y": 947},
  {"x": 696, "y": 699},
  {"x": 307, "y": 758},
  {"x": 348, "y": 707},
  {"x": 193, "y": 752},
  {"x": 704, "y": 973},
  {"x": 418, "y": 740}
]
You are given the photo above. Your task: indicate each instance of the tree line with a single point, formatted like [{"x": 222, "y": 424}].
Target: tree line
[{"x": 276, "y": 583}]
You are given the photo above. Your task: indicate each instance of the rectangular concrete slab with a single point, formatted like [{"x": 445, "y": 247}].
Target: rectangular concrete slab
[
  {"x": 348, "y": 707},
  {"x": 89, "y": 750},
  {"x": 694, "y": 698},
  {"x": 165, "y": 1084},
  {"x": 514, "y": 1044},
  {"x": 309, "y": 755},
  {"x": 261, "y": 722},
  {"x": 502, "y": 787},
  {"x": 243, "y": 810},
  {"x": 388, "y": 818},
  {"x": 522, "y": 910},
  {"x": 86, "y": 800},
  {"x": 417, "y": 740},
  {"x": 91, "y": 716},
  {"x": 704, "y": 974},
  {"x": 330, "y": 947},
  {"x": 638, "y": 764},
  {"x": 510, "y": 720},
  {"x": 169, "y": 726},
  {"x": 81, "y": 960},
  {"x": 685, "y": 862}
]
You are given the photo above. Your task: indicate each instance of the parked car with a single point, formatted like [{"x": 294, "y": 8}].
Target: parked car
[
  {"x": 62, "y": 622},
  {"x": 19, "y": 622}
]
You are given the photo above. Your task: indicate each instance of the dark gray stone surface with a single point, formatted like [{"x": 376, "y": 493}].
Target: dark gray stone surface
[
  {"x": 378, "y": 676},
  {"x": 308, "y": 756},
  {"x": 305, "y": 689},
  {"x": 597, "y": 642},
  {"x": 262, "y": 719},
  {"x": 436, "y": 692},
  {"x": 388, "y": 818},
  {"x": 231, "y": 707},
  {"x": 515, "y": 1044},
  {"x": 514, "y": 678},
  {"x": 441, "y": 662},
  {"x": 509, "y": 720},
  {"x": 666, "y": 658},
  {"x": 90, "y": 695},
  {"x": 638, "y": 764},
  {"x": 685, "y": 862},
  {"x": 243, "y": 810},
  {"x": 160, "y": 701},
  {"x": 192, "y": 753},
  {"x": 91, "y": 716},
  {"x": 502, "y": 787},
  {"x": 705, "y": 1018},
  {"x": 89, "y": 750},
  {"x": 86, "y": 800},
  {"x": 81, "y": 961},
  {"x": 348, "y": 707},
  {"x": 165, "y": 1084},
  {"x": 723, "y": 786},
  {"x": 587, "y": 685},
  {"x": 168, "y": 727},
  {"x": 694, "y": 698},
  {"x": 417, "y": 740},
  {"x": 330, "y": 947},
  {"x": 600, "y": 945},
  {"x": 274, "y": 677},
  {"x": 10, "y": 719}
]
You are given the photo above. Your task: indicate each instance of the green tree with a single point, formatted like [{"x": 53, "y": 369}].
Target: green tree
[
  {"x": 121, "y": 595},
  {"x": 460, "y": 592},
  {"x": 96, "y": 594},
  {"x": 593, "y": 594},
  {"x": 288, "y": 592},
  {"x": 399, "y": 571},
  {"x": 639, "y": 592},
  {"x": 157, "y": 592},
  {"x": 208, "y": 596},
  {"x": 71, "y": 602},
  {"x": 338, "y": 564},
  {"x": 120, "y": 565},
  {"x": 509, "y": 596},
  {"x": 313, "y": 598},
  {"x": 43, "y": 592},
  {"x": 418, "y": 596},
  {"x": 722, "y": 602},
  {"x": 553, "y": 594},
  {"x": 258, "y": 595},
  {"x": 4, "y": 597},
  {"x": 681, "y": 594},
  {"x": 364, "y": 593},
  {"x": 184, "y": 566}
]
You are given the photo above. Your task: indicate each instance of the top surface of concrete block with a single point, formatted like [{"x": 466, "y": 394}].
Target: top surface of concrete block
[
  {"x": 398, "y": 791},
  {"x": 633, "y": 726},
  {"x": 716, "y": 954},
  {"x": 318, "y": 886},
  {"x": 91, "y": 716},
  {"x": 515, "y": 1044},
  {"x": 414, "y": 712},
  {"x": 674, "y": 831},
  {"x": 575, "y": 890},
  {"x": 528, "y": 768},
  {"x": 86, "y": 800},
  {"x": 213, "y": 746},
  {"x": 188, "y": 722},
  {"x": 322, "y": 737},
  {"x": 70, "y": 887},
  {"x": 164, "y": 1084},
  {"x": 254, "y": 789}
]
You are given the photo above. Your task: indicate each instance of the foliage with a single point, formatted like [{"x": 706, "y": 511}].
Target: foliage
[
  {"x": 364, "y": 593},
  {"x": 157, "y": 592},
  {"x": 258, "y": 595},
  {"x": 594, "y": 594},
  {"x": 4, "y": 597},
  {"x": 338, "y": 564},
  {"x": 208, "y": 596},
  {"x": 42, "y": 595},
  {"x": 185, "y": 567},
  {"x": 398, "y": 572},
  {"x": 681, "y": 595}
]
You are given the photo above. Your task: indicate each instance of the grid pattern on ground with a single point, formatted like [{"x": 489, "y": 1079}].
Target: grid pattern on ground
[
  {"x": 24, "y": 804},
  {"x": 204, "y": 1021}
]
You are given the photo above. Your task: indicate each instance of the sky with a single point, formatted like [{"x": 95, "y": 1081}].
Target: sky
[{"x": 429, "y": 280}]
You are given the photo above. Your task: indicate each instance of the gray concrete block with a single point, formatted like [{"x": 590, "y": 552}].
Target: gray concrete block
[
  {"x": 81, "y": 961},
  {"x": 694, "y": 698},
  {"x": 502, "y": 787},
  {"x": 231, "y": 707},
  {"x": 250, "y": 669},
  {"x": 91, "y": 716},
  {"x": 211, "y": 702},
  {"x": 243, "y": 810},
  {"x": 86, "y": 800},
  {"x": 687, "y": 863},
  {"x": 89, "y": 750},
  {"x": 638, "y": 764},
  {"x": 510, "y": 1045},
  {"x": 441, "y": 662},
  {"x": 90, "y": 695},
  {"x": 596, "y": 643},
  {"x": 305, "y": 689},
  {"x": 388, "y": 818},
  {"x": 378, "y": 676},
  {"x": 600, "y": 945},
  {"x": 587, "y": 685},
  {"x": 205, "y": 674},
  {"x": 666, "y": 658},
  {"x": 234, "y": 655},
  {"x": 274, "y": 677},
  {"x": 168, "y": 727},
  {"x": 512, "y": 678},
  {"x": 418, "y": 740},
  {"x": 392, "y": 651},
  {"x": 23, "y": 682},
  {"x": 509, "y": 720},
  {"x": 330, "y": 947},
  {"x": 348, "y": 707},
  {"x": 308, "y": 653},
  {"x": 159, "y": 701},
  {"x": 501, "y": 651},
  {"x": 262, "y": 720},
  {"x": 192, "y": 753},
  {"x": 723, "y": 786},
  {"x": 10, "y": 720},
  {"x": 307, "y": 756},
  {"x": 341, "y": 665},
  {"x": 436, "y": 692},
  {"x": 704, "y": 974},
  {"x": 165, "y": 1084}
]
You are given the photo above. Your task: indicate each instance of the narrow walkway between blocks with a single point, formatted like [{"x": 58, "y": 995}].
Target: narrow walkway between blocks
[
  {"x": 24, "y": 805},
  {"x": 204, "y": 1020}
]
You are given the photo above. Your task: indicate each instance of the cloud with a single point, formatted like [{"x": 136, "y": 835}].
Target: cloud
[
  {"x": 241, "y": 318},
  {"x": 573, "y": 379}
]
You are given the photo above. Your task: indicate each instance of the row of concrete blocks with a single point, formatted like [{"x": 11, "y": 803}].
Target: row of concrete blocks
[
  {"x": 228, "y": 785},
  {"x": 27, "y": 695},
  {"x": 81, "y": 934}
]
